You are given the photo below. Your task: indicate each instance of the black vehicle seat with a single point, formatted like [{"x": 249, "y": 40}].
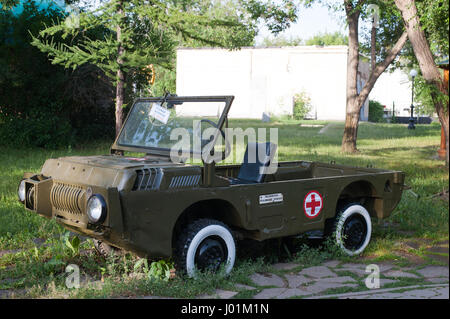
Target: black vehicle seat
[{"x": 253, "y": 169}]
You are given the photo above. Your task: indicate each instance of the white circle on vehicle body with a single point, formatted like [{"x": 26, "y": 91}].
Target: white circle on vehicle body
[
  {"x": 208, "y": 231},
  {"x": 312, "y": 204}
]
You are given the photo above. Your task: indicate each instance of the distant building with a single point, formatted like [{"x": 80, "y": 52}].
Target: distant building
[
  {"x": 393, "y": 90},
  {"x": 265, "y": 80}
]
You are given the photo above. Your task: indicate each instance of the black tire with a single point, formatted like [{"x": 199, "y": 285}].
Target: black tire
[
  {"x": 205, "y": 245},
  {"x": 351, "y": 229},
  {"x": 105, "y": 249}
]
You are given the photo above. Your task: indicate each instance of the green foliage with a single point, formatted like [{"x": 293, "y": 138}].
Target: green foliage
[
  {"x": 42, "y": 104},
  {"x": 281, "y": 41},
  {"x": 302, "y": 105},
  {"x": 423, "y": 96},
  {"x": 326, "y": 38},
  {"x": 389, "y": 29},
  {"x": 376, "y": 111},
  {"x": 277, "y": 17},
  {"x": 93, "y": 39},
  {"x": 159, "y": 270},
  {"x": 434, "y": 19},
  {"x": 72, "y": 243}
]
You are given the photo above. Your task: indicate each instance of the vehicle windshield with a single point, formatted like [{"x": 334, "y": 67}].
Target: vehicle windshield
[{"x": 158, "y": 125}]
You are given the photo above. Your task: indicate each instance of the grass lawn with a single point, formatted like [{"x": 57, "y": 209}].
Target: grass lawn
[{"x": 34, "y": 252}]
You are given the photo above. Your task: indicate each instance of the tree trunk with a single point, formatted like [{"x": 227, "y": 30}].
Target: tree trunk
[
  {"x": 373, "y": 56},
  {"x": 424, "y": 56},
  {"x": 120, "y": 81},
  {"x": 352, "y": 109},
  {"x": 355, "y": 101}
]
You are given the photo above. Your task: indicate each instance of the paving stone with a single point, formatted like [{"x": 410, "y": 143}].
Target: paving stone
[
  {"x": 357, "y": 271},
  {"x": 360, "y": 269},
  {"x": 269, "y": 293},
  {"x": 409, "y": 292},
  {"x": 296, "y": 280},
  {"x": 344, "y": 279},
  {"x": 434, "y": 271},
  {"x": 399, "y": 274},
  {"x": 322, "y": 286},
  {"x": 353, "y": 266},
  {"x": 241, "y": 286},
  {"x": 384, "y": 281},
  {"x": 267, "y": 280},
  {"x": 331, "y": 263},
  {"x": 318, "y": 272},
  {"x": 438, "y": 280},
  {"x": 442, "y": 293},
  {"x": 289, "y": 293},
  {"x": 420, "y": 294},
  {"x": 225, "y": 294},
  {"x": 150, "y": 297},
  {"x": 285, "y": 266},
  {"x": 4, "y": 294},
  {"x": 385, "y": 267},
  {"x": 219, "y": 294}
]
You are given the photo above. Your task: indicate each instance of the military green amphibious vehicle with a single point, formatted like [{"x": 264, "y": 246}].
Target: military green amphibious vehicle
[{"x": 159, "y": 205}]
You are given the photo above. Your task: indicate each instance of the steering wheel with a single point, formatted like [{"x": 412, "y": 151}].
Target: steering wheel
[{"x": 206, "y": 151}]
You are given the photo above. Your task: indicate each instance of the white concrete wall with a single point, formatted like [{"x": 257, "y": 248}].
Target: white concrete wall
[
  {"x": 393, "y": 87},
  {"x": 266, "y": 79}
]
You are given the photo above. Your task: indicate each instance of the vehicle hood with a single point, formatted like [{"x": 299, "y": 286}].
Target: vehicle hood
[{"x": 103, "y": 170}]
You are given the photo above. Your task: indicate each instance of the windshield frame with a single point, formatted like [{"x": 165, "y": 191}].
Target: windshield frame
[{"x": 116, "y": 147}]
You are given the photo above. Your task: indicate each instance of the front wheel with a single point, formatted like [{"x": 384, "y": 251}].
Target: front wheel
[
  {"x": 205, "y": 245},
  {"x": 353, "y": 229},
  {"x": 105, "y": 249}
]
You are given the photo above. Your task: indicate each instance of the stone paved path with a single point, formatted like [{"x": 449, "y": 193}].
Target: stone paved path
[
  {"x": 345, "y": 280},
  {"x": 331, "y": 279}
]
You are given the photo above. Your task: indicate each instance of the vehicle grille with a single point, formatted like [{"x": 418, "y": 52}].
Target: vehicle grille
[
  {"x": 148, "y": 179},
  {"x": 68, "y": 198},
  {"x": 184, "y": 181}
]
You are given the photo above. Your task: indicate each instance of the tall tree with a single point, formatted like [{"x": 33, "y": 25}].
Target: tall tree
[
  {"x": 391, "y": 39},
  {"x": 425, "y": 56},
  {"x": 355, "y": 98},
  {"x": 124, "y": 36}
]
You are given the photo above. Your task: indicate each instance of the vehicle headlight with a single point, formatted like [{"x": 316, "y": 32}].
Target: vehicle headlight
[
  {"x": 21, "y": 191},
  {"x": 96, "y": 209}
]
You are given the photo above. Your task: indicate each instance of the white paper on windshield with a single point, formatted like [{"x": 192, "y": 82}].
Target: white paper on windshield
[{"x": 160, "y": 113}]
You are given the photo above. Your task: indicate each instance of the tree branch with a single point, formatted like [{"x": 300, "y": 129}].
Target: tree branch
[{"x": 381, "y": 67}]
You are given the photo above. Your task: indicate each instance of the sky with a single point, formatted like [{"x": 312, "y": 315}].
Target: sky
[{"x": 311, "y": 21}]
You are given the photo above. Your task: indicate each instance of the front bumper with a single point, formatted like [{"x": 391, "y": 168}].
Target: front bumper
[{"x": 66, "y": 203}]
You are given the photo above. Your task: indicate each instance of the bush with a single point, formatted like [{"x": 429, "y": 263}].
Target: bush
[
  {"x": 42, "y": 104},
  {"x": 41, "y": 127},
  {"x": 376, "y": 112},
  {"x": 302, "y": 105}
]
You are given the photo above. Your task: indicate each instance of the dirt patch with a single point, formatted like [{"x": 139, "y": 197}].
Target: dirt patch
[
  {"x": 440, "y": 250},
  {"x": 442, "y": 195},
  {"x": 439, "y": 258},
  {"x": 412, "y": 258},
  {"x": 5, "y": 252}
]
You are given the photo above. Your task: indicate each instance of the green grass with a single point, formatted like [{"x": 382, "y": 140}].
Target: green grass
[{"x": 40, "y": 272}]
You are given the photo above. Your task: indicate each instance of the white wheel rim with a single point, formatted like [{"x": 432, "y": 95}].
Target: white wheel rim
[
  {"x": 211, "y": 230},
  {"x": 354, "y": 209}
]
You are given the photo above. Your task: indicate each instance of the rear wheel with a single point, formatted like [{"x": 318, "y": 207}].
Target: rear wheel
[
  {"x": 205, "y": 245},
  {"x": 353, "y": 229}
]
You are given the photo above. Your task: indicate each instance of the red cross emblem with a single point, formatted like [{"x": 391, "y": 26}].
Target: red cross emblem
[{"x": 312, "y": 204}]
